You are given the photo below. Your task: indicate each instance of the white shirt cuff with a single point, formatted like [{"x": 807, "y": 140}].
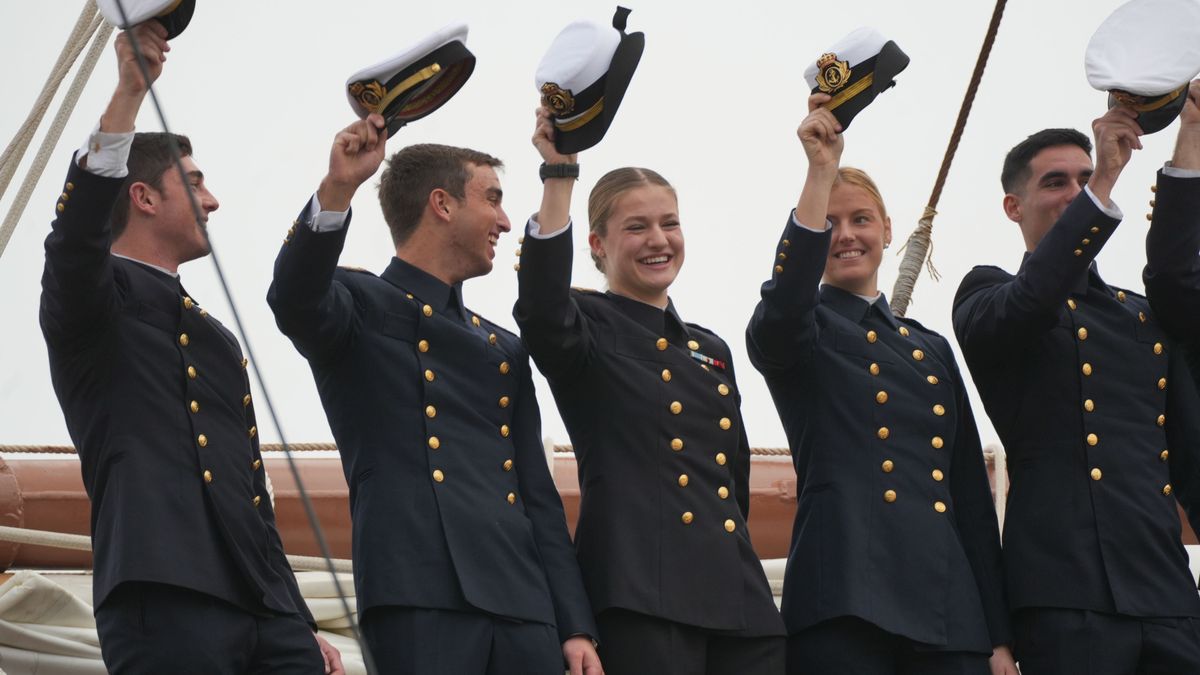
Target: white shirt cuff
[
  {"x": 1175, "y": 172},
  {"x": 828, "y": 224},
  {"x": 107, "y": 154},
  {"x": 325, "y": 221},
  {"x": 1113, "y": 211},
  {"x": 533, "y": 229}
]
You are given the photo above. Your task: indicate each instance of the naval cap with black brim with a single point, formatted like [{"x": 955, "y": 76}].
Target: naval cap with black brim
[
  {"x": 416, "y": 81},
  {"x": 1144, "y": 55},
  {"x": 174, "y": 15},
  {"x": 583, "y": 77},
  {"x": 854, "y": 71}
]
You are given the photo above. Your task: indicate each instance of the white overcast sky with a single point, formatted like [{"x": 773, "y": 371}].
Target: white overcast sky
[{"x": 713, "y": 107}]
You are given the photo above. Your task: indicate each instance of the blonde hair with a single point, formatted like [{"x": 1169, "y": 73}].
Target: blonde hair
[
  {"x": 848, "y": 175},
  {"x": 609, "y": 189}
]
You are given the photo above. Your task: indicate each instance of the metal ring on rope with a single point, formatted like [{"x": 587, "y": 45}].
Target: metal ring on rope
[{"x": 309, "y": 511}]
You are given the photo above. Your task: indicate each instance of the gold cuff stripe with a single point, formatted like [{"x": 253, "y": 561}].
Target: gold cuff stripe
[
  {"x": 585, "y": 117},
  {"x": 851, "y": 91},
  {"x": 408, "y": 83}
]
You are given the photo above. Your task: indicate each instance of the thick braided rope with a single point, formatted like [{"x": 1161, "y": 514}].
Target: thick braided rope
[
  {"x": 918, "y": 249},
  {"x": 102, "y": 32}
]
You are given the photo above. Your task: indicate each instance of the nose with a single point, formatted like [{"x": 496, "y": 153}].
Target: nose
[
  {"x": 842, "y": 232},
  {"x": 208, "y": 201},
  {"x": 502, "y": 220},
  {"x": 657, "y": 238},
  {"x": 1075, "y": 188}
]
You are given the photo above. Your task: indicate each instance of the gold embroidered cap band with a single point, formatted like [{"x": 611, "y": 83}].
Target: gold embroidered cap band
[{"x": 854, "y": 71}]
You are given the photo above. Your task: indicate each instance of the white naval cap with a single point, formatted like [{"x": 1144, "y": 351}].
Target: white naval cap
[
  {"x": 173, "y": 14},
  {"x": 855, "y": 70}
]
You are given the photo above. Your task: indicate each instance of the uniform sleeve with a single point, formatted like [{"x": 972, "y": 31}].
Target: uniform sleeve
[
  {"x": 783, "y": 330},
  {"x": 310, "y": 307},
  {"x": 553, "y": 328},
  {"x": 1183, "y": 432},
  {"x": 975, "y": 514},
  {"x": 992, "y": 311},
  {"x": 1172, "y": 273},
  {"x": 78, "y": 289},
  {"x": 573, "y": 613}
]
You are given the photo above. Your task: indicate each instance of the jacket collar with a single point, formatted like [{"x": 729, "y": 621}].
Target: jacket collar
[
  {"x": 425, "y": 287},
  {"x": 855, "y": 308},
  {"x": 660, "y": 322}
]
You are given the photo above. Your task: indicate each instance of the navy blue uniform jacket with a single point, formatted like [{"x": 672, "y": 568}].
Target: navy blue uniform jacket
[
  {"x": 1098, "y": 416},
  {"x": 895, "y": 522},
  {"x": 437, "y": 422},
  {"x": 664, "y": 464},
  {"x": 157, "y": 401}
]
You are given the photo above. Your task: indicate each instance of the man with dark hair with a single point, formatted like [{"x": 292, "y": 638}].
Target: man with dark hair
[
  {"x": 189, "y": 573},
  {"x": 462, "y": 560},
  {"x": 1074, "y": 374}
]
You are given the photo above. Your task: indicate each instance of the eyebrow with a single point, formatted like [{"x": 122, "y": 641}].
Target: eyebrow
[
  {"x": 496, "y": 193},
  {"x": 197, "y": 174},
  {"x": 1055, "y": 175}
]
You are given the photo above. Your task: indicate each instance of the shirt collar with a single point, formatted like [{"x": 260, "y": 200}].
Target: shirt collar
[
  {"x": 660, "y": 322},
  {"x": 425, "y": 287},
  {"x": 854, "y": 307},
  {"x": 174, "y": 275}
]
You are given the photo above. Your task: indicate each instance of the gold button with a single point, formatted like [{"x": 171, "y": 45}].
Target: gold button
[
  {"x": 1162, "y": 383},
  {"x": 683, "y": 480},
  {"x": 1158, "y": 348},
  {"x": 512, "y": 498},
  {"x": 725, "y": 423},
  {"x": 1167, "y": 489},
  {"x": 517, "y": 267},
  {"x": 427, "y": 310},
  {"x": 687, "y": 517},
  {"x": 65, "y": 197},
  {"x": 888, "y": 466},
  {"x": 1082, "y": 333},
  {"x": 503, "y": 401},
  {"x": 257, "y": 500},
  {"x": 1093, "y": 439},
  {"x": 246, "y": 401},
  {"x": 722, "y": 389},
  {"x": 940, "y": 507},
  {"x": 195, "y": 406},
  {"x": 508, "y": 465},
  {"x": 70, "y": 186},
  {"x": 676, "y": 407},
  {"x": 188, "y": 303},
  {"x": 1087, "y": 369},
  {"x": 204, "y": 312},
  {"x": 1162, "y": 419},
  {"x": 521, "y": 239},
  {"x": 881, "y": 397},
  {"x": 438, "y": 475},
  {"x": 191, "y": 371},
  {"x": 183, "y": 339},
  {"x": 1150, "y": 216},
  {"x": 1071, "y": 304},
  {"x": 693, "y": 345},
  {"x": 874, "y": 368},
  {"x": 1087, "y": 241},
  {"x": 429, "y": 375},
  {"x": 872, "y": 336},
  {"x": 245, "y": 363},
  {"x": 1154, "y": 188},
  {"x": 202, "y": 440},
  {"x": 786, "y": 242},
  {"x": 903, "y": 331},
  {"x": 475, "y": 321},
  {"x": 517, "y": 253},
  {"x": 504, "y": 431},
  {"x": 939, "y": 409},
  {"x": 883, "y": 433},
  {"x": 423, "y": 346},
  {"x": 208, "y": 477},
  {"x": 253, "y": 432},
  {"x": 1164, "y": 455},
  {"x": 255, "y": 465},
  {"x": 778, "y": 268},
  {"x": 1121, "y": 296},
  {"x": 430, "y": 411},
  {"x": 889, "y": 496},
  {"x": 1078, "y": 252},
  {"x": 1095, "y": 230},
  {"x": 409, "y": 296},
  {"x": 661, "y": 343},
  {"x": 1142, "y": 317},
  {"x": 937, "y": 442},
  {"x": 60, "y": 208},
  {"x": 918, "y": 355},
  {"x": 730, "y": 526},
  {"x": 721, "y": 459},
  {"x": 1097, "y": 474},
  {"x": 666, "y": 375},
  {"x": 504, "y": 367},
  {"x": 1089, "y": 405},
  {"x": 434, "y": 442},
  {"x": 938, "y": 475},
  {"x": 723, "y": 492},
  {"x": 676, "y": 444},
  {"x": 782, "y": 256},
  {"x": 491, "y": 338},
  {"x": 932, "y": 379}
]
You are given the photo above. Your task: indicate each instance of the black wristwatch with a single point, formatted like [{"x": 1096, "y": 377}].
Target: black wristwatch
[{"x": 558, "y": 171}]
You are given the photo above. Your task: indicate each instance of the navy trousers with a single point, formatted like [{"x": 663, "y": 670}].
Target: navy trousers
[
  {"x": 851, "y": 646},
  {"x": 157, "y": 628},
  {"x": 636, "y": 644},
  {"x": 1051, "y": 641}
]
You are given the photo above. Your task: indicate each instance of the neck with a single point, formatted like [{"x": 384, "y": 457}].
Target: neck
[
  {"x": 658, "y": 300},
  {"x": 430, "y": 257},
  {"x": 149, "y": 252},
  {"x": 868, "y": 287}
]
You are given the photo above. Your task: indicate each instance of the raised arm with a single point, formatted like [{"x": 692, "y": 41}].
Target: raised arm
[
  {"x": 310, "y": 308},
  {"x": 552, "y": 327},
  {"x": 782, "y": 330}
]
